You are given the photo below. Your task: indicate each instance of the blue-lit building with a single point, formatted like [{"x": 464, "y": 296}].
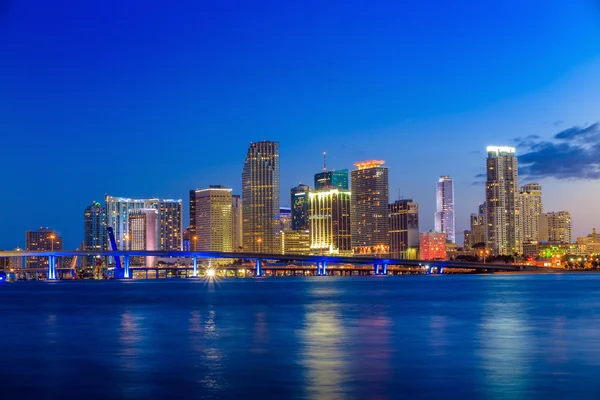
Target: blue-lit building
[
  {"x": 300, "y": 207},
  {"x": 94, "y": 230},
  {"x": 337, "y": 179}
]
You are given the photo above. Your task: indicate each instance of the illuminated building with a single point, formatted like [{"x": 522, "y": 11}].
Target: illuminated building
[
  {"x": 502, "y": 218},
  {"x": 285, "y": 218},
  {"x": 337, "y": 179},
  {"x": 94, "y": 230},
  {"x": 329, "y": 217},
  {"x": 44, "y": 239},
  {"x": 295, "y": 242},
  {"x": 168, "y": 214},
  {"x": 590, "y": 244},
  {"x": 530, "y": 197},
  {"x": 187, "y": 239},
  {"x": 404, "y": 228},
  {"x": 432, "y": 246},
  {"x": 236, "y": 222},
  {"x": 143, "y": 234},
  {"x": 444, "y": 216},
  {"x": 370, "y": 220},
  {"x": 213, "y": 220},
  {"x": 559, "y": 227},
  {"x": 299, "y": 202},
  {"x": 260, "y": 199}
]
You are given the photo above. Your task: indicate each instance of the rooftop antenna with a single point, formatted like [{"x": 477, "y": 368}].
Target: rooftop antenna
[{"x": 324, "y": 162}]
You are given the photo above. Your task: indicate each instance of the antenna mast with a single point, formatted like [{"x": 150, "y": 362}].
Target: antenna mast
[{"x": 324, "y": 162}]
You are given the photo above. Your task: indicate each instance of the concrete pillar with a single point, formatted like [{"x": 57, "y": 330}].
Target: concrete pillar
[
  {"x": 195, "y": 272},
  {"x": 126, "y": 274},
  {"x": 52, "y": 268},
  {"x": 259, "y": 271}
]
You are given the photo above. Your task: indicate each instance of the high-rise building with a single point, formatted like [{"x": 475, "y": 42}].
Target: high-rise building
[
  {"x": 285, "y": 218},
  {"x": 404, "y": 228},
  {"x": 329, "y": 216},
  {"x": 337, "y": 179},
  {"x": 444, "y": 216},
  {"x": 168, "y": 213},
  {"x": 295, "y": 242},
  {"x": 543, "y": 233},
  {"x": 299, "y": 201},
  {"x": 559, "y": 227},
  {"x": 236, "y": 223},
  {"x": 370, "y": 220},
  {"x": 187, "y": 239},
  {"x": 44, "y": 239},
  {"x": 502, "y": 215},
  {"x": 530, "y": 197},
  {"x": 213, "y": 220},
  {"x": 94, "y": 231},
  {"x": 432, "y": 246},
  {"x": 260, "y": 198},
  {"x": 143, "y": 234}
]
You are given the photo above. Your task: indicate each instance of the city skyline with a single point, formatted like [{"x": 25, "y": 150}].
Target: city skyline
[{"x": 219, "y": 85}]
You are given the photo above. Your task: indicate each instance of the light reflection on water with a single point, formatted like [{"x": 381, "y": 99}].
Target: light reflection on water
[{"x": 491, "y": 337}]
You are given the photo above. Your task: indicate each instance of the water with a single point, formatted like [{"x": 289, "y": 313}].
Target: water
[{"x": 455, "y": 337}]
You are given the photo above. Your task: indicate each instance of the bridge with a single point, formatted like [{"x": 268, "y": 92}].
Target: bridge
[{"x": 379, "y": 264}]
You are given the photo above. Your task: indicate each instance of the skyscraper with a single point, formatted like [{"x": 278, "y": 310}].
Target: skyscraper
[
  {"x": 502, "y": 216},
  {"x": 370, "y": 220},
  {"x": 94, "y": 230},
  {"x": 559, "y": 227},
  {"x": 337, "y": 179},
  {"x": 432, "y": 246},
  {"x": 404, "y": 229},
  {"x": 530, "y": 197},
  {"x": 285, "y": 218},
  {"x": 260, "y": 198},
  {"x": 299, "y": 201},
  {"x": 44, "y": 239},
  {"x": 329, "y": 216},
  {"x": 143, "y": 234},
  {"x": 213, "y": 220},
  {"x": 236, "y": 223},
  {"x": 444, "y": 216}
]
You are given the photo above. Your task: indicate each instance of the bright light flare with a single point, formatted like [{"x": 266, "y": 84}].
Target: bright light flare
[{"x": 210, "y": 273}]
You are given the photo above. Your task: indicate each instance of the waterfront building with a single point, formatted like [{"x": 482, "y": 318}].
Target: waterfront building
[
  {"x": 94, "y": 231},
  {"x": 143, "y": 234},
  {"x": 285, "y": 218},
  {"x": 44, "y": 239},
  {"x": 295, "y": 242},
  {"x": 404, "y": 228},
  {"x": 337, "y": 179},
  {"x": 329, "y": 216},
  {"x": 530, "y": 197},
  {"x": 213, "y": 218},
  {"x": 590, "y": 244},
  {"x": 444, "y": 216},
  {"x": 369, "y": 216},
  {"x": 236, "y": 222},
  {"x": 559, "y": 227},
  {"x": 543, "y": 233},
  {"x": 502, "y": 216},
  {"x": 299, "y": 201},
  {"x": 432, "y": 246},
  {"x": 260, "y": 198},
  {"x": 187, "y": 240}
]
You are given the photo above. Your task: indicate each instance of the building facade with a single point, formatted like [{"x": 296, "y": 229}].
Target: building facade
[
  {"x": 329, "y": 216},
  {"x": 213, "y": 224},
  {"x": 337, "y": 179},
  {"x": 260, "y": 198},
  {"x": 94, "y": 231},
  {"x": 502, "y": 215},
  {"x": 143, "y": 234},
  {"x": 432, "y": 246},
  {"x": 285, "y": 218},
  {"x": 444, "y": 216},
  {"x": 295, "y": 242},
  {"x": 299, "y": 201},
  {"x": 370, "y": 220},
  {"x": 404, "y": 228},
  {"x": 236, "y": 223},
  {"x": 530, "y": 197},
  {"x": 44, "y": 239},
  {"x": 559, "y": 227}
]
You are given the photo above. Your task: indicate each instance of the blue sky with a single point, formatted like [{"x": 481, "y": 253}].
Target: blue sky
[{"x": 145, "y": 98}]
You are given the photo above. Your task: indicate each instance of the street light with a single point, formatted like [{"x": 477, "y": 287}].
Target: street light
[
  {"x": 52, "y": 237},
  {"x": 195, "y": 238},
  {"x": 259, "y": 241},
  {"x": 126, "y": 237}
]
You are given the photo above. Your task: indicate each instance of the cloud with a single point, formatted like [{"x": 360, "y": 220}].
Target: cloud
[
  {"x": 558, "y": 123},
  {"x": 573, "y": 153}
]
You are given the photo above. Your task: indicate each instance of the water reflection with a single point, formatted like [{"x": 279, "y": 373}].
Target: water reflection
[{"x": 129, "y": 340}]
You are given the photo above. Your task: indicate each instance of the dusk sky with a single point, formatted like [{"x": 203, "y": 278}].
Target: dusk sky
[{"x": 142, "y": 98}]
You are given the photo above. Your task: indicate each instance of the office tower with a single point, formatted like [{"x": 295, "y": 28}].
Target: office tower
[
  {"x": 260, "y": 197},
  {"x": 404, "y": 228},
  {"x": 530, "y": 197},
  {"x": 502, "y": 217},
  {"x": 295, "y": 242},
  {"x": 187, "y": 239},
  {"x": 143, "y": 234},
  {"x": 559, "y": 227},
  {"x": 369, "y": 214},
  {"x": 94, "y": 231},
  {"x": 44, "y": 239},
  {"x": 299, "y": 201},
  {"x": 444, "y": 216},
  {"x": 213, "y": 223},
  {"x": 168, "y": 214},
  {"x": 236, "y": 223},
  {"x": 337, "y": 179},
  {"x": 285, "y": 218},
  {"x": 432, "y": 246},
  {"x": 543, "y": 233},
  {"x": 329, "y": 217}
]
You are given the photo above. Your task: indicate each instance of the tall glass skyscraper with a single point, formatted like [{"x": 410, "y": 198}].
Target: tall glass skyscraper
[
  {"x": 337, "y": 179},
  {"x": 330, "y": 231},
  {"x": 502, "y": 219},
  {"x": 260, "y": 198},
  {"x": 300, "y": 202},
  {"x": 94, "y": 230},
  {"x": 213, "y": 219},
  {"x": 444, "y": 216},
  {"x": 404, "y": 228}
]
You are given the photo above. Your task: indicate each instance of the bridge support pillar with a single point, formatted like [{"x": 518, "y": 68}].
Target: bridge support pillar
[
  {"x": 52, "y": 268},
  {"x": 258, "y": 267},
  {"x": 126, "y": 273},
  {"x": 195, "y": 272},
  {"x": 375, "y": 269},
  {"x": 384, "y": 269},
  {"x": 322, "y": 268}
]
